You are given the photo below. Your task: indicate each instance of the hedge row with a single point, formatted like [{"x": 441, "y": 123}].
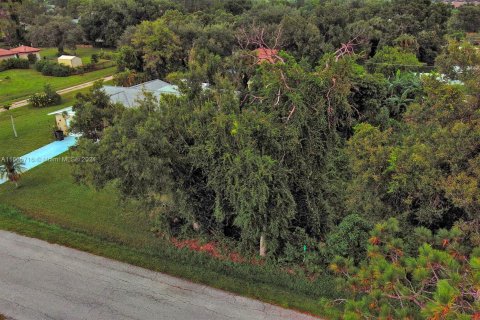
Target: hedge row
[
  {"x": 14, "y": 63},
  {"x": 51, "y": 68}
]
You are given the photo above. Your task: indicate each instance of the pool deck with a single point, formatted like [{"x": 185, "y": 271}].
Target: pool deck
[{"x": 45, "y": 153}]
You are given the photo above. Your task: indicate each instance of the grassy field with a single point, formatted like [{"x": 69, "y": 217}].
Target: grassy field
[
  {"x": 34, "y": 126},
  {"x": 18, "y": 84}
]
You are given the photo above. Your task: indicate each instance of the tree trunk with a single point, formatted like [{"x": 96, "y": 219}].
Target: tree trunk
[{"x": 263, "y": 245}]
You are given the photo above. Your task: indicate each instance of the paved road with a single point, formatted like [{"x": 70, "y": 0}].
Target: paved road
[
  {"x": 23, "y": 103},
  {"x": 39, "y": 280}
]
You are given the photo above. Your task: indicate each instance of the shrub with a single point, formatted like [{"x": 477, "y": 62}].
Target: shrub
[
  {"x": 14, "y": 63},
  {"x": 59, "y": 70},
  {"x": 89, "y": 67},
  {"x": 50, "y": 68},
  {"x": 349, "y": 238},
  {"x": 106, "y": 55},
  {"x": 47, "y": 98},
  {"x": 129, "y": 78},
  {"x": 94, "y": 59},
  {"x": 40, "y": 64},
  {"x": 32, "y": 58}
]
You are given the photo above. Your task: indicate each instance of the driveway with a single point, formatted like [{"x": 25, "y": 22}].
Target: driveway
[
  {"x": 39, "y": 280},
  {"x": 23, "y": 103}
]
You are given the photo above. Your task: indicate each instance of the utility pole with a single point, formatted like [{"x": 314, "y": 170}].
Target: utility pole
[{"x": 13, "y": 126}]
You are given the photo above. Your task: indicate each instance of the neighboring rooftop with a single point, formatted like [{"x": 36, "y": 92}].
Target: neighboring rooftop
[
  {"x": 460, "y": 3},
  {"x": 25, "y": 49},
  {"x": 6, "y": 53},
  {"x": 18, "y": 50},
  {"x": 128, "y": 96},
  {"x": 68, "y": 110},
  {"x": 65, "y": 57}
]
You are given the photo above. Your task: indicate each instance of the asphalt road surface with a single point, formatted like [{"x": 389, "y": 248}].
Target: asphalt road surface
[{"x": 39, "y": 280}]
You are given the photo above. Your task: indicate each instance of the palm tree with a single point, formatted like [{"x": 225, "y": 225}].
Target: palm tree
[{"x": 11, "y": 169}]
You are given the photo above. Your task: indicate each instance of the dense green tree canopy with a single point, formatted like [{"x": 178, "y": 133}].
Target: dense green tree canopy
[
  {"x": 94, "y": 112},
  {"x": 425, "y": 171},
  {"x": 467, "y": 19},
  {"x": 296, "y": 155},
  {"x": 56, "y": 31},
  {"x": 298, "y": 127}
]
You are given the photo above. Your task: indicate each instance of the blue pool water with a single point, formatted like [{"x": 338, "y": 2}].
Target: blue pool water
[{"x": 45, "y": 153}]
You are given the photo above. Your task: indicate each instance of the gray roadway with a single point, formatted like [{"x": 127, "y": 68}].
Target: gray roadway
[{"x": 39, "y": 280}]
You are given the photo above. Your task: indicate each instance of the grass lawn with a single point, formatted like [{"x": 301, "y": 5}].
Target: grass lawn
[
  {"x": 17, "y": 84},
  {"x": 84, "y": 53},
  {"x": 48, "y": 193},
  {"x": 34, "y": 127}
]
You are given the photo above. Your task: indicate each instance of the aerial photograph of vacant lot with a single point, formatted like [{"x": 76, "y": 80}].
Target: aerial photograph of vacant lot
[{"x": 239, "y": 159}]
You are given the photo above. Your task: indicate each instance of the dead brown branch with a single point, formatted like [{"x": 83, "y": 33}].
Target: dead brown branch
[
  {"x": 348, "y": 48},
  {"x": 256, "y": 37}
]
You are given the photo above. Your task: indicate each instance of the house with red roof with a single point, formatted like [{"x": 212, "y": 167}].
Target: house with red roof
[
  {"x": 458, "y": 4},
  {"x": 6, "y": 54},
  {"x": 22, "y": 52}
]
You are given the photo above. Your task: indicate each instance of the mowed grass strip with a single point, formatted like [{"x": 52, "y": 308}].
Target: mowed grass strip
[{"x": 18, "y": 84}]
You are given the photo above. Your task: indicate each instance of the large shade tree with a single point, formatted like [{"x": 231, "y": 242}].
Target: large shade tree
[
  {"x": 258, "y": 169},
  {"x": 159, "y": 47},
  {"x": 56, "y": 31}
]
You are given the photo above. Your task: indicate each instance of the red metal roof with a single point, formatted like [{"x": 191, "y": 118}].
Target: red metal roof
[
  {"x": 265, "y": 54},
  {"x": 458, "y": 4},
  {"x": 6, "y": 53},
  {"x": 24, "y": 49}
]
